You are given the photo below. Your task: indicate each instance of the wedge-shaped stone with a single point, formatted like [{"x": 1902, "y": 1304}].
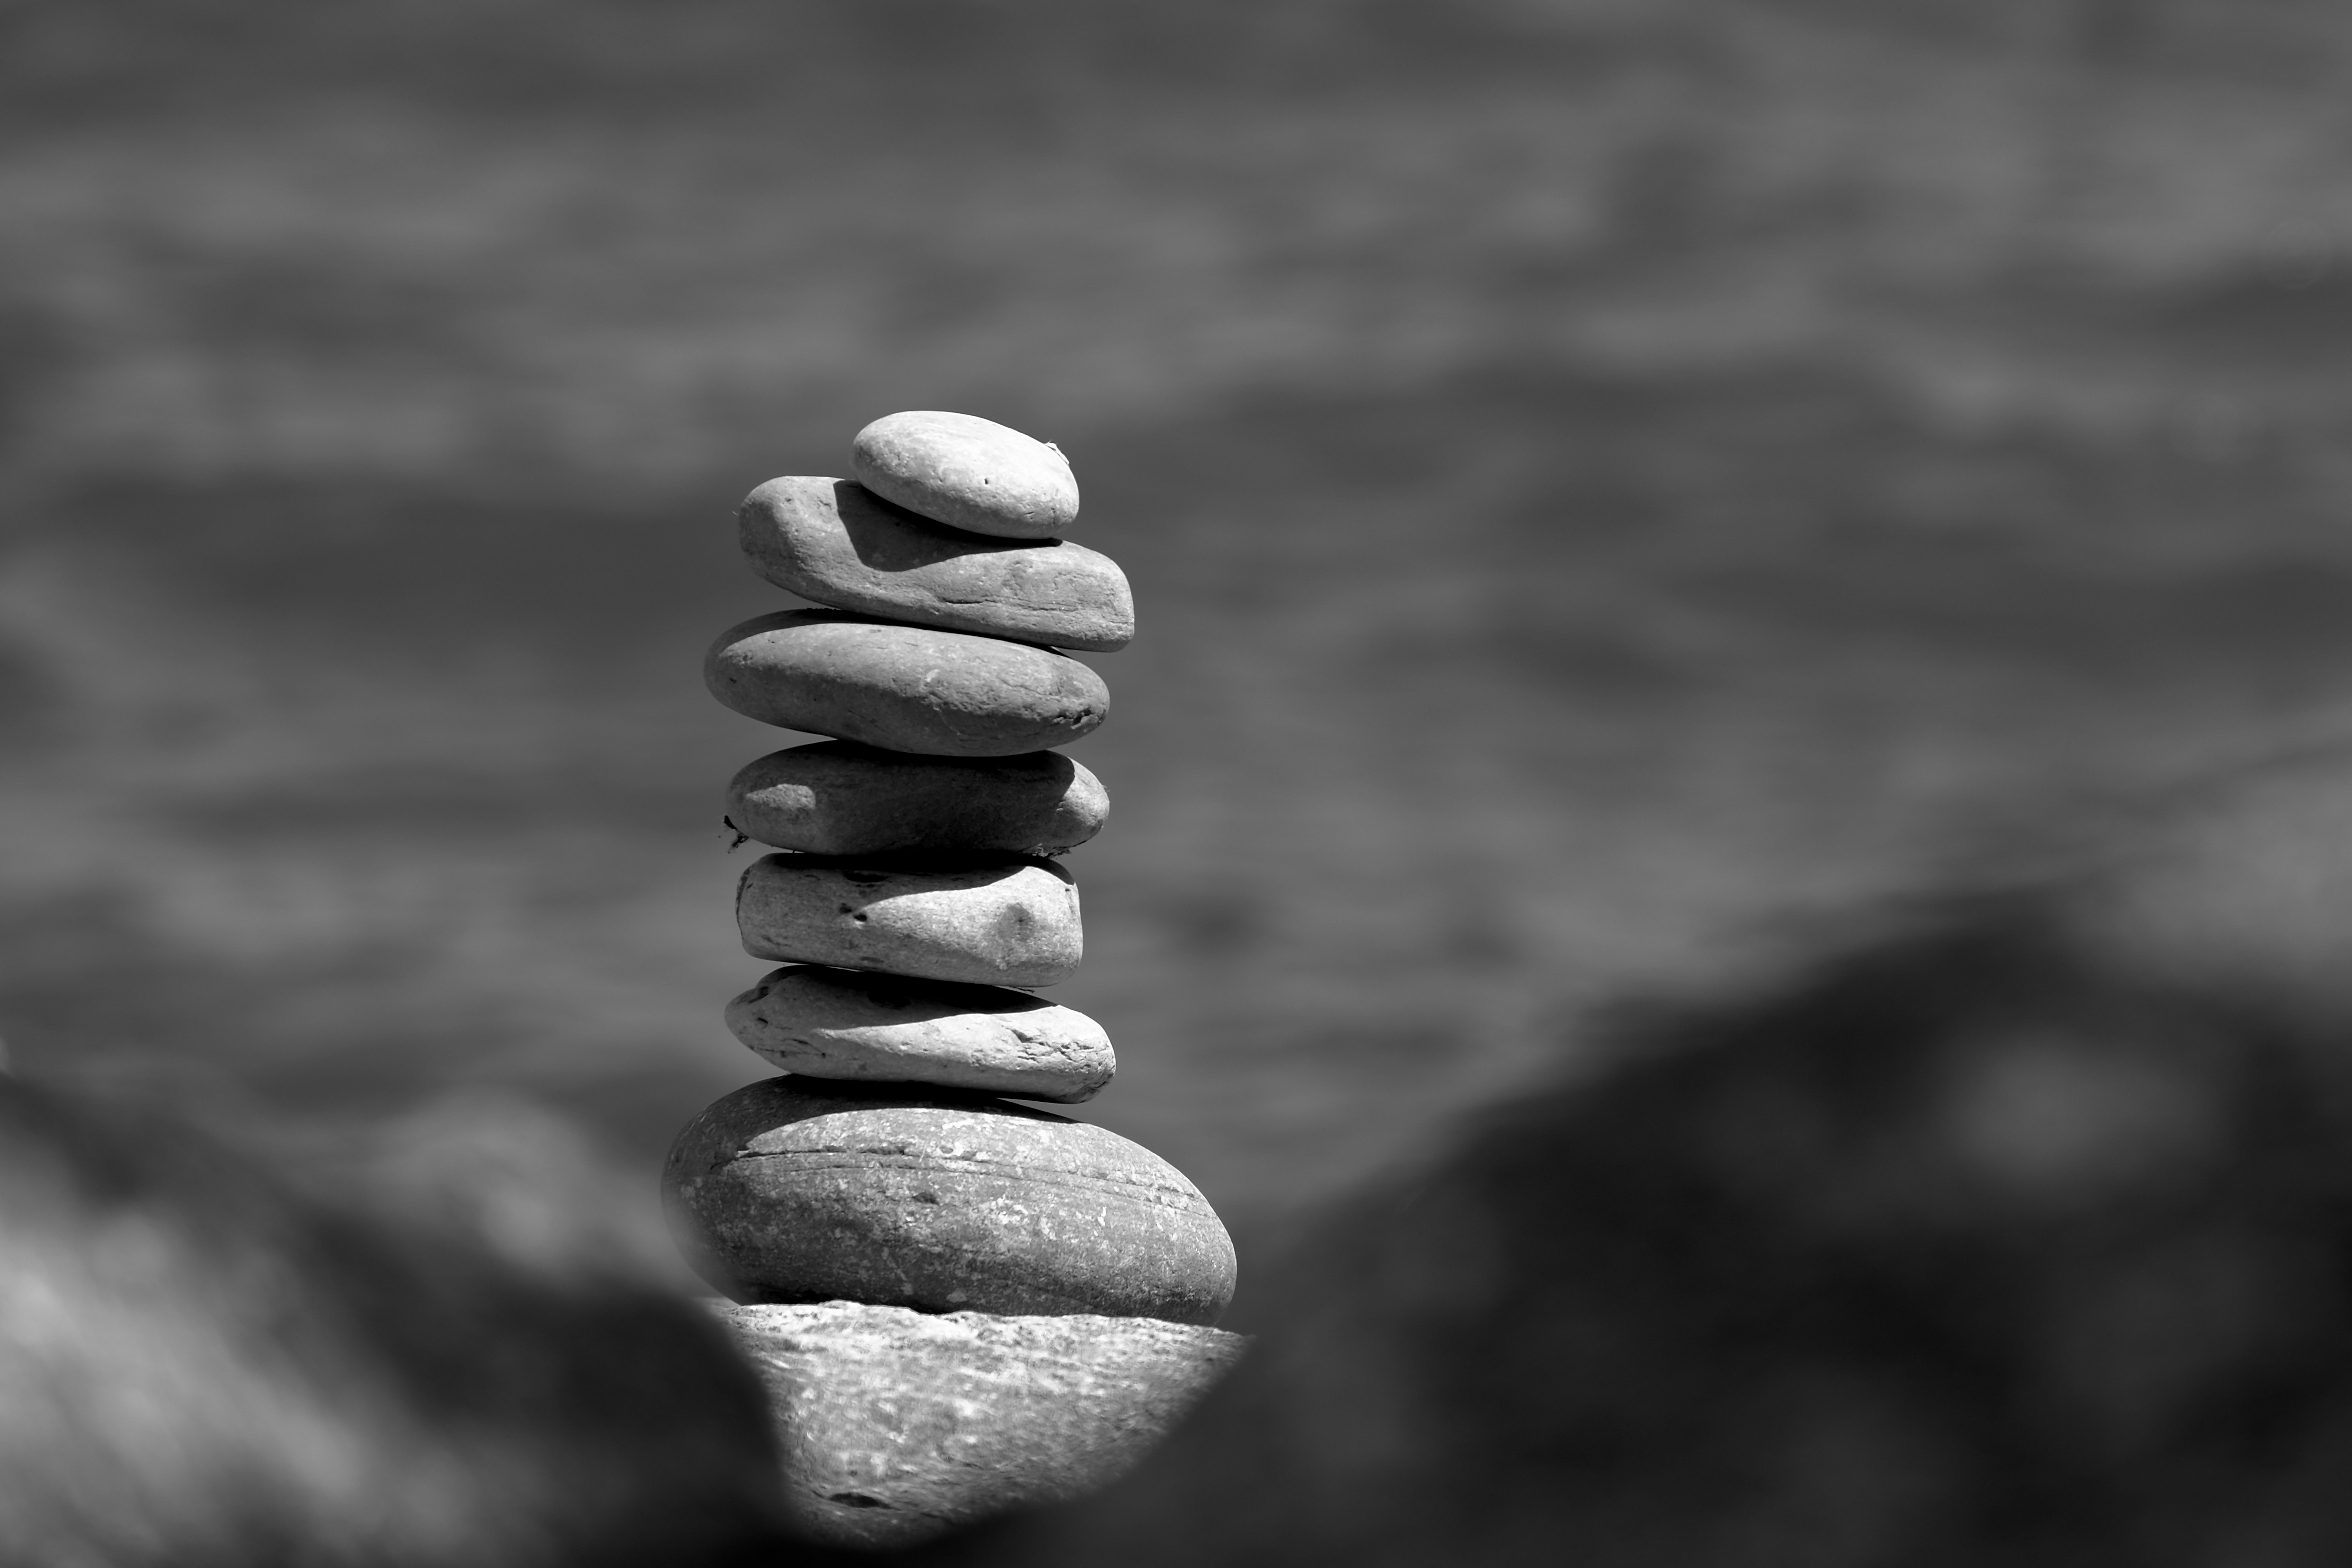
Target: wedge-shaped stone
[
  {"x": 999, "y": 923},
  {"x": 838, "y": 544},
  {"x": 797, "y": 1189},
  {"x": 968, "y": 472},
  {"x": 904, "y": 689},
  {"x": 897, "y": 1425},
  {"x": 840, "y": 798},
  {"x": 844, "y": 1024}
]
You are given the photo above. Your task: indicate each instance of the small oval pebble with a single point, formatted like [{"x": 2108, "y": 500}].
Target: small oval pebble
[
  {"x": 1005, "y": 923},
  {"x": 839, "y": 543},
  {"x": 968, "y": 472},
  {"x": 844, "y": 1024},
  {"x": 797, "y": 1189},
  {"x": 904, "y": 689},
  {"x": 840, "y": 798}
]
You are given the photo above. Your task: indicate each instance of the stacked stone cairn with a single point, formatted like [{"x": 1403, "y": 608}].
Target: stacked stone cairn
[{"x": 960, "y": 1304}]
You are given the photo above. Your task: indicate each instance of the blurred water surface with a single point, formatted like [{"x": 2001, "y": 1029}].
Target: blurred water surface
[{"x": 1604, "y": 484}]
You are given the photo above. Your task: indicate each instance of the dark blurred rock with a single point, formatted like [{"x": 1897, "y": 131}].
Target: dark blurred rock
[
  {"x": 896, "y": 1425},
  {"x": 800, "y": 1189},
  {"x": 2018, "y": 1235},
  {"x": 203, "y": 1367}
]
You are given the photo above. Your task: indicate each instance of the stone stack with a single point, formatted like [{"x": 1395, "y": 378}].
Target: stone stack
[{"x": 916, "y": 904}]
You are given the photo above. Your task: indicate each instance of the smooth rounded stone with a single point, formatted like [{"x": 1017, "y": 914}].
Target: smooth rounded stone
[
  {"x": 842, "y": 1024},
  {"x": 837, "y": 798},
  {"x": 903, "y": 689},
  {"x": 968, "y": 472},
  {"x": 838, "y": 544},
  {"x": 897, "y": 1425},
  {"x": 1002, "y": 922},
  {"x": 799, "y": 1189}
]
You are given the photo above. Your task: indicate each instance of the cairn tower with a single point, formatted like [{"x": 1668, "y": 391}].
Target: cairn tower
[{"x": 916, "y": 902}]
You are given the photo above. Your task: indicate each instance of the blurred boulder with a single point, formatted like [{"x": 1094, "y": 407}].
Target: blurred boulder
[
  {"x": 2016, "y": 1234},
  {"x": 202, "y": 1362}
]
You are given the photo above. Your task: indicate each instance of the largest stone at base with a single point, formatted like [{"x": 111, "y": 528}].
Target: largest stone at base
[{"x": 895, "y": 1425}]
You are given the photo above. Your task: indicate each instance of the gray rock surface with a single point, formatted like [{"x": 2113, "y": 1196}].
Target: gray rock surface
[
  {"x": 999, "y": 922},
  {"x": 904, "y": 689},
  {"x": 968, "y": 472},
  {"x": 842, "y": 1024},
  {"x": 838, "y": 544},
  {"x": 896, "y": 1425},
  {"x": 840, "y": 798},
  {"x": 800, "y": 1189}
]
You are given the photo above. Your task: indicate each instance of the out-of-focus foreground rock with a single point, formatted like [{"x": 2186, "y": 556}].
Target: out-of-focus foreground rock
[
  {"x": 2012, "y": 1233},
  {"x": 203, "y": 1367}
]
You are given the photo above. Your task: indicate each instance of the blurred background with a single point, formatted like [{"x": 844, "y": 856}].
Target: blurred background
[{"x": 1605, "y": 485}]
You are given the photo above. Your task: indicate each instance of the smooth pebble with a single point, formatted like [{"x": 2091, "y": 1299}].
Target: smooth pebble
[
  {"x": 904, "y": 689},
  {"x": 837, "y": 542},
  {"x": 968, "y": 472},
  {"x": 837, "y": 798},
  {"x": 999, "y": 922},
  {"x": 849, "y": 1024},
  {"x": 797, "y": 1189}
]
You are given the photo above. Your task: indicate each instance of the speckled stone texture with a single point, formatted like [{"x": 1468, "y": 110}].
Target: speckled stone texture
[
  {"x": 895, "y": 1425},
  {"x": 968, "y": 472},
  {"x": 840, "y": 798},
  {"x": 799, "y": 1189},
  {"x": 837, "y": 542},
  {"x": 1001, "y": 922},
  {"x": 843, "y": 1023},
  {"x": 904, "y": 689}
]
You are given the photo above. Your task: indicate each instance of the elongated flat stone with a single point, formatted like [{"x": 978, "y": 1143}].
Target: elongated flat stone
[
  {"x": 969, "y": 473},
  {"x": 843, "y": 1023},
  {"x": 1006, "y": 922},
  {"x": 838, "y": 544},
  {"x": 798, "y": 1189},
  {"x": 904, "y": 689},
  {"x": 840, "y": 798},
  {"x": 895, "y": 1425}
]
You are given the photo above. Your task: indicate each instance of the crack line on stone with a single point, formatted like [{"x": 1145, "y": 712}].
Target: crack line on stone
[{"x": 1116, "y": 1186}]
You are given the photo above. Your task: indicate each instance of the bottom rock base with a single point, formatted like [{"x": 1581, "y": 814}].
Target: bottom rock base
[{"x": 897, "y": 1424}]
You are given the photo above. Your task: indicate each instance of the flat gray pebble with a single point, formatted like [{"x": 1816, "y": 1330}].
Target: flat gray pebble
[
  {"x": 895, "y": 1425},
  {"x": 837, "y": 542},
  {"x": 1007, "y": 923},
  {"x": 837, "y": 798},
  {"x": 903, "y": 689},
  {"x": 799, "y": 1189},
  {"x": 968, "y": 472},
  {"x": 844, "y": 1024}
]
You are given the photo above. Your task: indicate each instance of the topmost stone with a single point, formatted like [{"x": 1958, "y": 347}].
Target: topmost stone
[{"x": 969, "y": 473}]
